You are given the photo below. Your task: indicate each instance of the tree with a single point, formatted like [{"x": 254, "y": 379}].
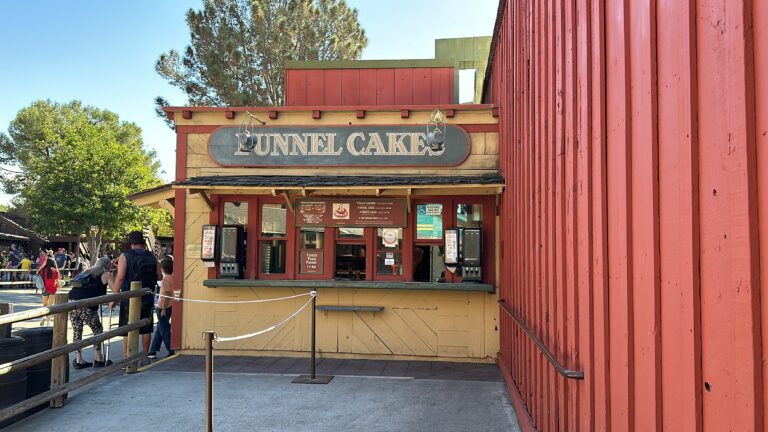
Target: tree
[
  {"x": 78, "y": 164},
  {"x": 239, "y": 48}
]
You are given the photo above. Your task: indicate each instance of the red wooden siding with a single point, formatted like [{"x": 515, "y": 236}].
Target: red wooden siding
[
  {"x": 634, "y": 143},
  {"x": 350, "y": 87}
]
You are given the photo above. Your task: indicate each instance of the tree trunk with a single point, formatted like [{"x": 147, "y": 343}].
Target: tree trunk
[{"x": 94, "y": 246}]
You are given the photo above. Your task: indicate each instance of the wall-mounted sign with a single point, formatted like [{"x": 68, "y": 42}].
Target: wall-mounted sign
[
  {"x": 389, "y": 237},
  {"x": 311, "y": 262},
  {"x": 348, "y": 212},
  {"x": 208, "y": 243},
  {"x": 335, "y": 146},
  {"x": 451, "y": 247}
]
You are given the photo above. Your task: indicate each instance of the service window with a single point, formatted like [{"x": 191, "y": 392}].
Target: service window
[
  {"x": 273, "y": 239},
  {"x": 236, "y": 213},
  {"x": 469, "y": 215},
  {"x": 389, "y": 252},
  {"x": 428, "y": 251},
  {"x": 350, "y": 259}
]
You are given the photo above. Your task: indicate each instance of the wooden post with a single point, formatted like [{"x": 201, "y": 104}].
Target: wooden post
[
  {"x": 134, "y": 313},
  {"x": 59, "y": 364},
  {"x": 208, "y": 336},
  {"x": 5, "y": 329}
]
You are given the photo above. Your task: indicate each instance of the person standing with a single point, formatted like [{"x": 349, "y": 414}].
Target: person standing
[
  {"x": 91, "y": 283},
  {"x": 50, "y": 276},
  {"x": 137, "y": 264},
  {"x": 61, "y": 258},
  {"x": 163, "y": 310},
  {"x": 26, "y": 266},
  {"x": 14, "y": 259}
]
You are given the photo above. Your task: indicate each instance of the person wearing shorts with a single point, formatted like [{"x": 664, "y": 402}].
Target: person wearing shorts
[
  {"x": 50, "y": 277},
  {"x": 126, "y": 274}
]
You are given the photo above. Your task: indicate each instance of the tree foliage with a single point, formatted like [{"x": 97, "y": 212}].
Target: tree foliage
[
  {"x": 78, "y": 164},
  {"x": 239, "y": 48}
]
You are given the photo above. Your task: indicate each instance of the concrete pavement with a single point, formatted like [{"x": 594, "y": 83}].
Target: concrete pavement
[{"x": 162, "y": 400}]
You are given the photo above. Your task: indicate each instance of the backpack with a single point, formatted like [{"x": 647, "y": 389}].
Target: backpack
[
  {"x": 145, "y": 269},
  {"x": 85, "y": 286}
]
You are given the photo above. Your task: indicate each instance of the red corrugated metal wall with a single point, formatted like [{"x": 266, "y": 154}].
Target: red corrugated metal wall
[
  {"x": 367, "y": 87},
  {"x": 635, "y": 219}
]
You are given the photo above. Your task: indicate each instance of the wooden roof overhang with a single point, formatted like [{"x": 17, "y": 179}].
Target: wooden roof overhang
[{"x": 290, "y": 187}]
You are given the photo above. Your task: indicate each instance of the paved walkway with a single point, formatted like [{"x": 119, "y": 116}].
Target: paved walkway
[{"x": 256, "y": 393}]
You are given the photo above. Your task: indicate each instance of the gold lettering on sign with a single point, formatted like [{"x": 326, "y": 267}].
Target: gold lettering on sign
[
  {"x": 318, "y": 146},
  {"x": 298, "y": 144},
  {"x": 351, "y": 143},
  {"x": 375, "y": 146},
  {"x": 261, "y": 148},
  {"x": 418, "y": 144},
  {"x": 332, "y": 145},
  {"x": 396, "y": 144},
  {"x": 279, "y": 141}
]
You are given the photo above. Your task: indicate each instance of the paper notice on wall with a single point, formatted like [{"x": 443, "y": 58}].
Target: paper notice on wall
[{"x": 434, "y": 209}]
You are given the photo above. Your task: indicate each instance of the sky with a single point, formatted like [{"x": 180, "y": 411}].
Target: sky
[{"x": 103, "y": 53}]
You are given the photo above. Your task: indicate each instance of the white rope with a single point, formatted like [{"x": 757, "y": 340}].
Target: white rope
[
  {"x": 216, "y": 338},
  {"x": 233, "y": 302}
]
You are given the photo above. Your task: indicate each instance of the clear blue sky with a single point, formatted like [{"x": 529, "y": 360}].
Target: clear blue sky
[{"x": 103, "y": 53}]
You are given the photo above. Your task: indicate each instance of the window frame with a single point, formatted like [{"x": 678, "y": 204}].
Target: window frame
[
  {"x": 376, "y": 249},
  {"x": 370, "y": 238},
  {"x": 448, "y": 222},
  {"x": 290, "y": 240},
  {"x": 327, "y": 249},
  {"x": 366, "y": 241}
]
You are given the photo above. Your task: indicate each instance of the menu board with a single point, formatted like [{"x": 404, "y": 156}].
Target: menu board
[
  {"x": 208, "y": 243},
  {"x": 311, "y": 262},
  {"x": 451, "y": 247},
  {"x": 349, "y": 212}
]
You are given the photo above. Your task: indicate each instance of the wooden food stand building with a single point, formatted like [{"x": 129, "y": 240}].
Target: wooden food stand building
[{"x": 345, "y": 191}]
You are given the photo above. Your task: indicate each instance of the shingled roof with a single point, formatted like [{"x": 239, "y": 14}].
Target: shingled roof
[{"x": 339, "y": 181}]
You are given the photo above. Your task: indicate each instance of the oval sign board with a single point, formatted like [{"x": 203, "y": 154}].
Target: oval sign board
[{"x": 274, "y": 146}]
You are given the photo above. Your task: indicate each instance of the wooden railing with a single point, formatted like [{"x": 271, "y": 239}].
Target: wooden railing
[{"x": 60, "y": 349}]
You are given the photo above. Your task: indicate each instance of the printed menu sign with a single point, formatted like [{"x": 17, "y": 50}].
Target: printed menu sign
[
  {"x": 208, "y": 246},
  {"x": 311, "y": 262},
  {"x": 347, "y": 212}
]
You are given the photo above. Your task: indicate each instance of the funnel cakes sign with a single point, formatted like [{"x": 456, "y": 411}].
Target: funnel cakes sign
[
  {"x": 268, "y": 146},
  {"x": 363, "y": 212}
]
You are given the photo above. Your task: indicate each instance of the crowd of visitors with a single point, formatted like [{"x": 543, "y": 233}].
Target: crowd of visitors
[{"x": 49, "y": 269}]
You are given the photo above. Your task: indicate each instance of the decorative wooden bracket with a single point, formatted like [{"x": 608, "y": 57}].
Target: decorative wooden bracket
[
  {"x": 166, "y": 204},
  {"x": 408, "y": 200},
  {"x": 204, "y": 197},
  {"x": 288, "y": 201}
]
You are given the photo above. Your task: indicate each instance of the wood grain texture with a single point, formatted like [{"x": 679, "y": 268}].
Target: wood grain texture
[{"x": 631, "y": 139}]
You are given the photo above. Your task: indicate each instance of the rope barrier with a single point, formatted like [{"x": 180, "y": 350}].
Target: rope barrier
[
  {"x": 216, "y": 338},
  {"x": 234, "y": 302}
]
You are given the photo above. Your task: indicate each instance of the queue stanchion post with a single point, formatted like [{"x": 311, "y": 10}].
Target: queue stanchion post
[
  {"x": 208, "y": 336},
  {"x": 313, "y": 378}
]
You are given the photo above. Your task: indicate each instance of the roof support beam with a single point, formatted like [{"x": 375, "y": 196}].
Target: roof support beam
[
  {"x": 206, "y": 199},
  {"x": 288, "y": 201}
]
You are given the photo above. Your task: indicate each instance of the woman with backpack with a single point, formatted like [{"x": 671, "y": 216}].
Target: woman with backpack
[{"x": 93, "y": 282}]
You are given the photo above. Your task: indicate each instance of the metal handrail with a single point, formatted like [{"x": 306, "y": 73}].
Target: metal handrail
[
  {"x": 70, "y": 306},
  {"x": 570, "y": 374}
]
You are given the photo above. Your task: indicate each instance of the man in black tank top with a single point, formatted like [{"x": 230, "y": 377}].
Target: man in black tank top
[{"x": 137, "y": 264}]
